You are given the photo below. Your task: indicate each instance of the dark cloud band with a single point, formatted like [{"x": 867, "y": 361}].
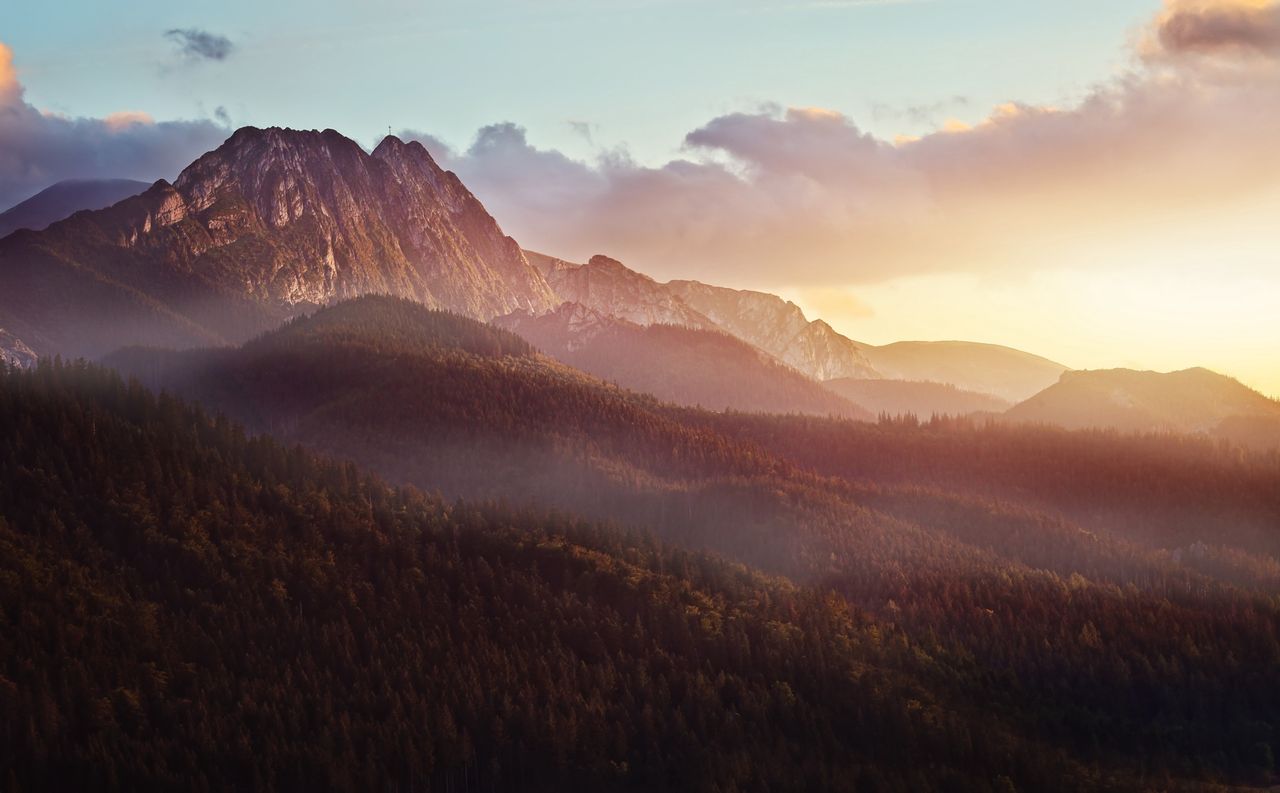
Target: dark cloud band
[{"x": 199, "y": 44}]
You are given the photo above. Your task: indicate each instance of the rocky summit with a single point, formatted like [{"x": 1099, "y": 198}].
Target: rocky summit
[{"x": 268, "y": 224}]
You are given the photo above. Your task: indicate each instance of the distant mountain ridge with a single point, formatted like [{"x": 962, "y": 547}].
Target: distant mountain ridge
[
  {"x": 271, "y": 222},
  {"x": 781, "y": 329},
  {"x": 766, "y": 321},
  {"x": 1011, "y": 375},
  {"x": 608, "y": 286},
  {"x": 686, "y": 365},
  {"x": 276, "y": 221},
  {"x": 65, "y": 199},
  {"x": 1189, "y": 401}
]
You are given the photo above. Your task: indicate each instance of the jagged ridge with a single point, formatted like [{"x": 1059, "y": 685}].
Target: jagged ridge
[{"x": 271, "y": 222}]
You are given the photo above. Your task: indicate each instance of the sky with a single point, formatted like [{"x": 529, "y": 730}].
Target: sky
[{"x": 1091, "y": 181}]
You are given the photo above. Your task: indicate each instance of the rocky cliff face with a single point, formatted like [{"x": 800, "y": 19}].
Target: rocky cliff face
[
  {"x": 567, "y": 329},
  {"x": 778, "y": 327},
  {"x": 610, "y": 287},
  {"x": 677, "y": 363},
  {"x": 272, "y": 221},
  {"x": 337, "y": 222},
  {"x": 765, "y": 321}
]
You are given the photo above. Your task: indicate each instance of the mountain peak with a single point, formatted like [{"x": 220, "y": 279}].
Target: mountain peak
[
  {"x": 401, "y": 154},
  {"x": 600, "y": 261},
  {"x": 391, "y": 142},
  {"x": 271, "y": 221}
]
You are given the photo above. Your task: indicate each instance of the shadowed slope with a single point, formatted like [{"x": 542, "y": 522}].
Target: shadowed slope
[{"x": 65, "y": 199}]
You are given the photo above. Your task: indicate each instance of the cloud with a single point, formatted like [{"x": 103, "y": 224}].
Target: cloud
[
  {"x": 39, "y": 148},
  {"x": 803, "y": 197},
  {"x": 921, "y": 114},
  {"x": 195, "y": 44},
  {"x": 584, "y": 130},
  {"x": 1197, "y": 27}
]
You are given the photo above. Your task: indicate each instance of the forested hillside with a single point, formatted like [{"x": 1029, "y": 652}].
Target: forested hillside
[
  {"x": 1106, "y": 632},
  {"x": 188, "y": 608},
  {"x": 1164, "y": 490}
]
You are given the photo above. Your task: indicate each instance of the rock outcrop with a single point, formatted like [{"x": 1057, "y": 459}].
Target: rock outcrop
[
  {"x": 13, "y": 352},
  {"x": 780, "y": 328}
]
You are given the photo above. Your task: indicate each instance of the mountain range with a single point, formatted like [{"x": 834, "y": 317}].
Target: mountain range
[
  {"x": 781, "y": 329},
  {"x": 277, "y": 222}
]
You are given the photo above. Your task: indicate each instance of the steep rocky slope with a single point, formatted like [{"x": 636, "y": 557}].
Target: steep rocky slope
[
  {"x": 610, "y": 287},
  {"x": 780, "y": 328},
  {"x": 272, "y": 221},
  {"x": 766, "y": 321}
]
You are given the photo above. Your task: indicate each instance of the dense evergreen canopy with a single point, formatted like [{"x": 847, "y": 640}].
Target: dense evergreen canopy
[{"x": 630, "y": 595}]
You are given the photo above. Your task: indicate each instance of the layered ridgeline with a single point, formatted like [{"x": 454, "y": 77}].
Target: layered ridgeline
[
  {"x": 277, "y": 221},
  {"x": 920, "y": 378},
  {"x": 677, "y": 363},
  {"x": 780, "y": 328},
  {"x": 766, "y": 321},
  {"x": 271, "y": 222},
  {"x": 949, "y": 532}
]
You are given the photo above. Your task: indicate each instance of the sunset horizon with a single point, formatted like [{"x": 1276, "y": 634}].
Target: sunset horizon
[{"x": 1114, "y": 214}]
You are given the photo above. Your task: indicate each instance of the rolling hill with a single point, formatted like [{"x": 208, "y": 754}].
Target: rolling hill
[
  {"x": 1189, "y": 401},
  {"x": 1003, "y": 372},
  {"x": 1192, "y": 400}
]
